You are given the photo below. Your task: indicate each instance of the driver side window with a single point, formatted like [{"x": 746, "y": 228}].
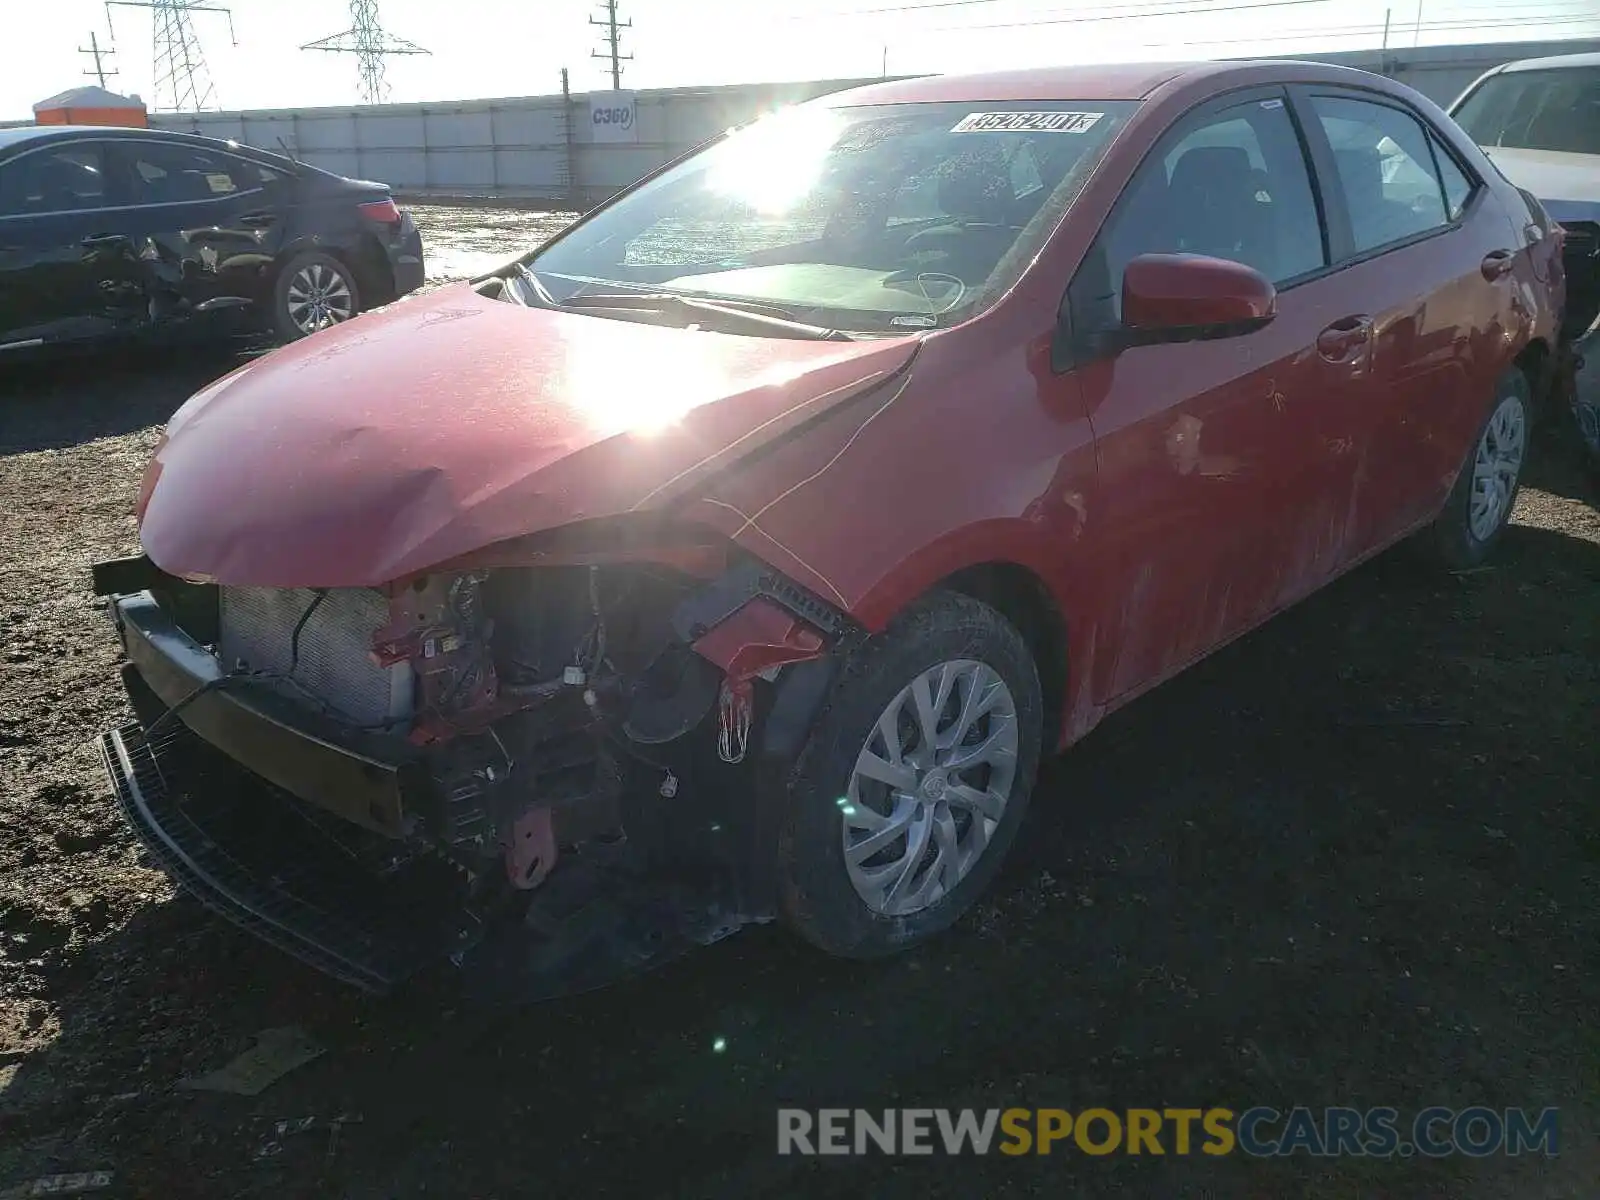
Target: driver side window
[{"x": 1232, "y": 183}]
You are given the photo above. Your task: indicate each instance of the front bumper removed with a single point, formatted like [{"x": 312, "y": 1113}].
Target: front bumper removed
[
  {"x": 252, "y": 854},
  {"x": 293, "y": 830}
]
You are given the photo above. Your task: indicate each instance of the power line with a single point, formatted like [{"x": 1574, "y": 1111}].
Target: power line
[
  {"x": 1123, "y": 10},
  {"x": 99, "y": 70},
  {"x": 1171, "y": 9},
  {"x": 1374, "y": 30},
  {"x": 371, "y": 44},
  {"x": 613, "y": 40}
]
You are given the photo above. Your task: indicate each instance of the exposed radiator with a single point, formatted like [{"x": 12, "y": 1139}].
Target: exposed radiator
[{"x": 334, "y": 664}]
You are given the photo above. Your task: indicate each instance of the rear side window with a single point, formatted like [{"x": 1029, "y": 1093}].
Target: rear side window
[
  {"x": 68, "y": 179},
  {"x": 1230, "y": 184},
  {"x": 1386, "y": 171},
  {"x": 172, "y": 174},
  {"x": 1457, "y": 187}
]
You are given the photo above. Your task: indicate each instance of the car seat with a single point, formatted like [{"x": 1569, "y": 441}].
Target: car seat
[
  {"x": 1212, "y": 197},
  {"x": 974, "y": 192}
]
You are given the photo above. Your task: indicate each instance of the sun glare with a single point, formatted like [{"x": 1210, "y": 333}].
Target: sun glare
[{"x": 776, "y": 161}]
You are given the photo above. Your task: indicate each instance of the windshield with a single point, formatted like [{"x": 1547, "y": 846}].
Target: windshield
[
  {"x": 888, "y": 218},
  {"x": 1536, "y": 110}
]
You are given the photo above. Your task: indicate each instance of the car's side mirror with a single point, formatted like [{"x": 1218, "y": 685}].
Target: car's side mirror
[{"x": 1192, "y": 297}]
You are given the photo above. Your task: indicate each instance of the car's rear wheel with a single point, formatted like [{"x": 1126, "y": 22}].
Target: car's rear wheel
[
  {"x": 911, "y": 787},
  {"x": 1480, "y": 504},
  {"x": 314, "y": 291}
]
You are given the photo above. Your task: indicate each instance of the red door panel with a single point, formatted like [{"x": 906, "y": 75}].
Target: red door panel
[
  {"x": 1423, "y": 242},
  {"x": 1226, "y": 470},
  {"x": 1226, "y": 466}
]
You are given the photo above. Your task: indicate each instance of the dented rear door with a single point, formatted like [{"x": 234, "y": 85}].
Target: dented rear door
[{"x": 208, "y": 224}]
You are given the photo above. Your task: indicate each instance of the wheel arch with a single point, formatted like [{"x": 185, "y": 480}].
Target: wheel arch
[
  {"x": 1537, "y": 362},
  {"x": 373, "y": 271},
  {"x": 1016, "y": 569},
  {"x": 1025, "y": 600}
]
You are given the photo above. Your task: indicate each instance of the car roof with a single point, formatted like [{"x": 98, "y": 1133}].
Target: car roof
[
  {"x": 26, "y": 135},
  {"x": 1102, "y": 81},
  {"x": 1553, "y": 62}
]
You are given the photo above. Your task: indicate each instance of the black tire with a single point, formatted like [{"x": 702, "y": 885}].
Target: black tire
[
  {"x": 1452, "y": 540},
  {"x": 284, "y": 322},
  {"x": 818, "y": 899}
]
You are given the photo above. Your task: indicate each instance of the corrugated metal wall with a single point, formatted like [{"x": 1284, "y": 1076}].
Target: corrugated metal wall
[
  {"x": 539, "y": 147},
  {"x": 517, "y": 147}
]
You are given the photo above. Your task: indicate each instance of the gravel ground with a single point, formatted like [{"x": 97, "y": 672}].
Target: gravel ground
[{"x": 1352, "y": 859}]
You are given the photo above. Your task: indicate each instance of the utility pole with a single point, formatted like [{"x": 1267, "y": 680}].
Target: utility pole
[
  {"x": 99, "y": 71},
  {"x": 569, "y": 137},
  {"x": 180, "y": 65},
  {"x": 613, "y": 39},
  {"x": 368, "y": 41}
]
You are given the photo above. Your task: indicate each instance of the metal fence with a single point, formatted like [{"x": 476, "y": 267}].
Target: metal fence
[
  {"x": 541, "y": 149},
  {"x": 536, "y": 148}
]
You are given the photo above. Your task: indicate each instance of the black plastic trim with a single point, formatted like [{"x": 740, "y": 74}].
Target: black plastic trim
[
  {"x": 119, "y": 576},
  {"x": 326, "y": 940},
  {"x": 726, "y": 595}
]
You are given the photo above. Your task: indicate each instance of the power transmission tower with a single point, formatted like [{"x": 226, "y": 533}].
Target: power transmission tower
[
  {"x": 613, "y": 39},
  {"x": 99, "y": 71},
  {"x": 367, "y": 40},
  {"x": 180, "y": 71}
]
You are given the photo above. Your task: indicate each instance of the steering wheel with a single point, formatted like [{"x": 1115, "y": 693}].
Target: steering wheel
[{"x": 913, "y": 275}]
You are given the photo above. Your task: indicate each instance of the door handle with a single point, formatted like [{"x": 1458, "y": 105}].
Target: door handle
[
  {"x": 1339, "y": 340},
  {"x": 1497, "y": 263},
  {"x": 258, "y": 220},
  {"x": 93, "y": 241}
]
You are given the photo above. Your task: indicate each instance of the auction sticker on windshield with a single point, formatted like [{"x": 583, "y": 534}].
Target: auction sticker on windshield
[{"x": 1027, "y": 122}]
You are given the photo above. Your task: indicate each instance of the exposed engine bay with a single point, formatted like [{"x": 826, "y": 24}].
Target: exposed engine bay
[{"x": 572, "y": 712}]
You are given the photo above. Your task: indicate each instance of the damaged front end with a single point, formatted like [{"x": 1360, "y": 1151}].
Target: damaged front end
[{"x": 550, "y": 771}]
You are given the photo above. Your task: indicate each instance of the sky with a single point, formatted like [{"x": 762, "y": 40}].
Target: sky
[{"x": 485, "y": 48}]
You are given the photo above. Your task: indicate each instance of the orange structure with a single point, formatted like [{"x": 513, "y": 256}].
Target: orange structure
[{"x": 91, "y": 106}]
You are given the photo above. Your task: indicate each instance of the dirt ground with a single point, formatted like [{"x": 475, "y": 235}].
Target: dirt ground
[{"x": 1353, "y": 859}]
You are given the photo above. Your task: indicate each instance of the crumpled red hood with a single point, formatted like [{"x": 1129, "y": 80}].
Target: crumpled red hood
[{"x": 449, "y": 422}]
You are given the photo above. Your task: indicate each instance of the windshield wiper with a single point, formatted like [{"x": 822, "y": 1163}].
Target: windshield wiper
[{"x": 721, "y": 311}]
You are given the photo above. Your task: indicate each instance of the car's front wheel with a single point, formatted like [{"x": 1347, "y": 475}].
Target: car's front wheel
[
  {"x": 314, "y": 291},
  {"x": 911, "y": 787}
]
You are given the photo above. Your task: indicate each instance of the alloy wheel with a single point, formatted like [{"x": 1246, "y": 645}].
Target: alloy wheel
[
  {"x": 929, "y": 787},
  {"x": 1496, "y": 468},
  {"x": 319, "y": 297}
]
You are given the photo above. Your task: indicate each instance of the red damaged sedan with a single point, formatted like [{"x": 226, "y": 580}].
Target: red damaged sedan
[{"x": 737, "y": 555}]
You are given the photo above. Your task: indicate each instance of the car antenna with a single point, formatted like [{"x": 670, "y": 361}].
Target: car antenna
[{"x": 293, "y": 157}]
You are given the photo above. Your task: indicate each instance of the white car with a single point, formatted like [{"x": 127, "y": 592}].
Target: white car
[{"x": 1539, "y": 121}]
